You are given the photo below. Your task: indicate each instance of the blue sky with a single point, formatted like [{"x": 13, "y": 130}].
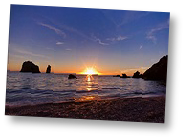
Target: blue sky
[{"x": 71, "y": 39}]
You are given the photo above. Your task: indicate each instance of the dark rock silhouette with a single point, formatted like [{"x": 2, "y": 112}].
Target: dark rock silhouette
[
  {"x": 157, "y": 71},
  {"x": 28, "y": 66},
  {"x": 124, "y": 76},
  {"x": 48, "y": 69},
  {"x": 137, "y": 75},
  {"x": 71, "y": 76},
  {"x": 116, "y": 76}
]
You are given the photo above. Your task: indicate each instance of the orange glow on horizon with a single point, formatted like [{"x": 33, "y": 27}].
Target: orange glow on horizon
[
  {"x": 90, "y": 71},
  {"x": 93, "y": 70}
]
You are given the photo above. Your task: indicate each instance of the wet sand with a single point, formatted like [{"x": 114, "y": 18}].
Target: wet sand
[{"x": 150, "y": 109}]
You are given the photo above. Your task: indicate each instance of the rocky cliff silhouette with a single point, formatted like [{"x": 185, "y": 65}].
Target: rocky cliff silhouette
[{"x": 157, "y": 71}]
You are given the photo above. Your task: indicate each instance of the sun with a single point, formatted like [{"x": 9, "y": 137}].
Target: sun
[{"x": 90, "y": 71}]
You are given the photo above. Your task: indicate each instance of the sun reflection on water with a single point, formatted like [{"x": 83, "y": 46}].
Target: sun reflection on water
[
  {"x": 89, "y": 79},
  {"x": 89, "y": 88},
  {"x": 86, "y": 98}
]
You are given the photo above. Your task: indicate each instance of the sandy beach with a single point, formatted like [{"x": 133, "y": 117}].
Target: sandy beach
[{"x": 150, "y": 109}]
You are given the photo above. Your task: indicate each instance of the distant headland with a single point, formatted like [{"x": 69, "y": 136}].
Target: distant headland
[{"x": 157, "y": 71}]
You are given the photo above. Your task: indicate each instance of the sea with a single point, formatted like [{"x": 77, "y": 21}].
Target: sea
[{"x": 32, "y": 88}]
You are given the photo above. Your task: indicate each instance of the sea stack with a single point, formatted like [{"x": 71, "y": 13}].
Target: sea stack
[
  {"x": 71, "y": 76},
  {"x": 48, "y": 69},
  {"x": 137, "y": 75},
  {"x": 157, "y": 71},
  {"x": 124, "y": 76},
  {"x": 28, "y": 66}
]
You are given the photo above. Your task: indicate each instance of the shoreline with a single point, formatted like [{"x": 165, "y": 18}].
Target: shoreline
[{"x": 148, "y": 109}]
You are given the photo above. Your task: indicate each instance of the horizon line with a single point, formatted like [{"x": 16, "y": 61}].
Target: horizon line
[{"x": 74, "y": 73}]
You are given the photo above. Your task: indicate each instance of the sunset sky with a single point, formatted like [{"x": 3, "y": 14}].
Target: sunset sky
[{"x": 73, "y": 39}]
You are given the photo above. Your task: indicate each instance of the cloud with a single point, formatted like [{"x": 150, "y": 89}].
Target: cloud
[
  {"x": 59, "y": 43},
  {"x": 56, "y": 30},
  {"x": 99, "y": 41},
  {"x": 150, "y": 34},
  {"x": 141, "y": 47},
  {"x": 152, "y": 37},
  {"x": 119, "y": 38},
  {"x": 70, "y": 29}
]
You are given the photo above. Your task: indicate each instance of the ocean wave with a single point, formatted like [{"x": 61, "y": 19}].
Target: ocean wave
[{"x": 110, "y": 88}]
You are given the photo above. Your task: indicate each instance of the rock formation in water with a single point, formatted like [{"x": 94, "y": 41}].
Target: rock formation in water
[
  {"x": 124, "y": 76},
  {"x": 48, "y": 69},
  {"x": 28, "y": 66},
  {"x": 116, "y": 76},
  {"x": 157, "y": 71},
  {"x": 71, "y": 76},
  {"x": 137, "y": 75}
]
